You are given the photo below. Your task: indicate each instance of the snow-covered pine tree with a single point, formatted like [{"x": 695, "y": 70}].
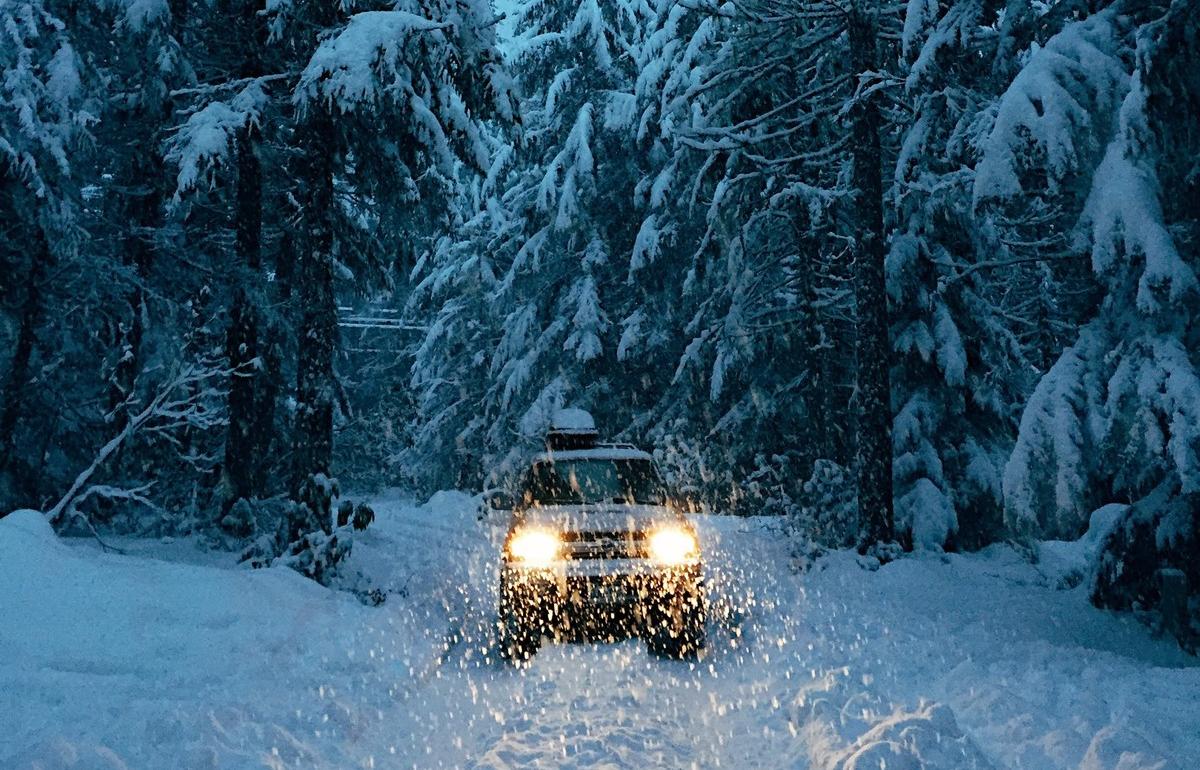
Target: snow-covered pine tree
[
  {"x": 530, "y": 292},
  {"x": 1049, "y": 131},
  {"x": 1115, "y": 419},
  {"x": 234, "y": 189},
  {"x": 429, "y": 71},
  {"x": 738, "y": 198},
  {"x": 758, "y": 105},
  {"x": 959, "y": 370},
  {"x": 143, "y": 60},
  {"x": 114, "y": 64},
  {"x": 43, "y": 118}
]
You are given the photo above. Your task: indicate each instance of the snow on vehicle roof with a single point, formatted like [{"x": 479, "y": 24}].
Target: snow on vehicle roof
[
  {"x": 572, "y": 420},
  {"x": 601, "y": 452}
]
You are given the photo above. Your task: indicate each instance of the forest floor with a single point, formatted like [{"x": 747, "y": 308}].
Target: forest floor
[{"x": 168, "y": 656}]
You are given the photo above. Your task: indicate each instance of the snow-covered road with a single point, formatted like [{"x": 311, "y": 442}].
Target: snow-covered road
[{"x": 144, "y": 661}]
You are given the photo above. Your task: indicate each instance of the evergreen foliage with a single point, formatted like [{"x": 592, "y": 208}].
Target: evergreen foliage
[{"x": 922, "y": 271}]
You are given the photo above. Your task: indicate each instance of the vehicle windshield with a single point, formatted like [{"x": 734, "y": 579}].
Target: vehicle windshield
[{"x": 596, "y": 481}]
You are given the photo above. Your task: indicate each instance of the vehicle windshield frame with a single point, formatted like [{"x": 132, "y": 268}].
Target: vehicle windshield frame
[{"x": 639, "y": 482}]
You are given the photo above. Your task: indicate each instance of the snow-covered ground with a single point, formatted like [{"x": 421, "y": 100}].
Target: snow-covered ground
[{"x": 169, "y": 657}]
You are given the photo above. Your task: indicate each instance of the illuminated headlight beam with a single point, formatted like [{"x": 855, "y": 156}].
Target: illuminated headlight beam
[
  {"x": 534, "y": 547},
  {"x": 674, "y": 545}
]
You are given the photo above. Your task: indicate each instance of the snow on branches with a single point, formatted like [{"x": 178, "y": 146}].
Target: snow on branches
[
  {"x": 421, "y": 67},
  {"x": 1055, "y": 116},
  {"x": 1117, "y": 415},
  {"x": 41, "y": 114},
  {"x": 206, "y": 139},
  {"x": 186, "y": 399}
]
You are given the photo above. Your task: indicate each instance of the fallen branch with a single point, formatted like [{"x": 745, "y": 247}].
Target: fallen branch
[{"x": 179, "y": 402}]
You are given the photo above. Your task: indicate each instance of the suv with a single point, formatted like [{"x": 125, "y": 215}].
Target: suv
[{"x": 595, "y": 538}]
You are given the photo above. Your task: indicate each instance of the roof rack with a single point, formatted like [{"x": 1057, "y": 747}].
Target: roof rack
[
  {"x": 615, "y": 445},
  {"x": 571, "y": 429}
]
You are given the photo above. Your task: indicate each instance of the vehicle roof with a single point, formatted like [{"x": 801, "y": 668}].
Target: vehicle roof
[{"x": 602, "y": 452}]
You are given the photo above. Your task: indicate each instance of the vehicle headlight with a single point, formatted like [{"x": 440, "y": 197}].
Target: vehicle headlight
[
  {"x": 534, "y": 547},
  {"x": 674, "y": 545}
]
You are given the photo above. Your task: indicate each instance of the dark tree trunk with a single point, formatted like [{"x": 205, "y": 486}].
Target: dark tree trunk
[
  {"x": 252, "y": 390},
  {"x": 241, "y": 347},
  {"x": 266, "y": 398},
  {"x": 871, "y": 338},
  {"x": 12, "y": 401},
  {"x": 144, "y": 210},
  {"x": 145, "y": 207},
  {"x": 243, "y": 460},
  {"x": 317, "y": 331}
]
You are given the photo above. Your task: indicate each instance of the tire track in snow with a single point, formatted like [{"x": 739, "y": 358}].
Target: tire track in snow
[
  {"x": 597, "y": 708},
  {"x": 588, "y": 705}
]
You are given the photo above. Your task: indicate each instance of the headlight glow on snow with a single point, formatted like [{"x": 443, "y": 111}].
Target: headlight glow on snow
[
  {"x": 534, "y": 547},
  {"x": 674, "y": 545}
]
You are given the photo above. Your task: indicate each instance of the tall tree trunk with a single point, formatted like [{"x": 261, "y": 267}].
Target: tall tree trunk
[
  {"x": 144, "y": 212},
  {"x": 243, "y": 462},
  {"x": 145, "y": 207},
  {"x": 816, "y": 389},
  {"x": 317, "y": 331},
  {"x": 12, "y": 400},
  {"x": 871, "y": 338}
]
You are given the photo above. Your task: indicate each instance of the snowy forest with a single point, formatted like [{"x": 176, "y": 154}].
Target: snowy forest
[{"x": 906, "y": 277}]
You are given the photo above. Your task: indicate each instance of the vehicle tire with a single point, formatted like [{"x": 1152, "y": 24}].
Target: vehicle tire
[
  {"x": 677, "y": 629},
  {"x": 518, "y": 644},
  {"x": 518, "y": 638}
]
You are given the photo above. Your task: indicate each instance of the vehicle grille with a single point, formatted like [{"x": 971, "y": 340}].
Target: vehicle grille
[{"x": 605, "y": 545}]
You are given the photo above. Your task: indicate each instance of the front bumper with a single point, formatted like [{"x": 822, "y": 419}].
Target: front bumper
[{"x": 599, "y": 589}]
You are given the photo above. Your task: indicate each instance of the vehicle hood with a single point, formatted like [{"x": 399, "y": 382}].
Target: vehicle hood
[{"x": 616, "y": 517}]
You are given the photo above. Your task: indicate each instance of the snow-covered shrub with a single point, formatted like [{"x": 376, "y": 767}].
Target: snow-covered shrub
[
  {"x": 1159, "y": 532},
  {"x": 259, "y": 528},
  {"x": 272, "y": 528},
  {"x": 1069, "y": 563},
  {"x": 269, "y": 526},
  {"x": 773, "y": 488},
  {"x": 241, "y": 520},
  {"x": 315, "y": 499},
  {"x": 829, "y": 507},
  {"x": 818, "y": 512},
  {"x": 683, "y": 466},
  {"x": 318, "y": 554}
]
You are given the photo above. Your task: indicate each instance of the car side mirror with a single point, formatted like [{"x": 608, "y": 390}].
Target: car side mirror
[
  {"x": 690, "y": 502},
  {"x": 499, "y": 500},
  {"x": 495, "y": 502}
]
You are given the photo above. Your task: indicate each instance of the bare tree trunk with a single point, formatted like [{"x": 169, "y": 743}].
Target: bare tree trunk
[
  {"x": 317, "y": 332},
  {"x": 243, "y": 463},
  {"x": 872, "y": 347},
  {"x": 12, "y": 401},
  {"x": 144, "y": 212}
]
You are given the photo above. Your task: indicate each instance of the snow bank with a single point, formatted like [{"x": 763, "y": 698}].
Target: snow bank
[
  {"x": 1067, "y": 563},
  {"x": 27, "y": 523},
  {"x": 844, "y": 725},
  {"x": 931, "y": 662},
  {"x": 1036, "y": 677},
  {"x": 131, "y": 662}
]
